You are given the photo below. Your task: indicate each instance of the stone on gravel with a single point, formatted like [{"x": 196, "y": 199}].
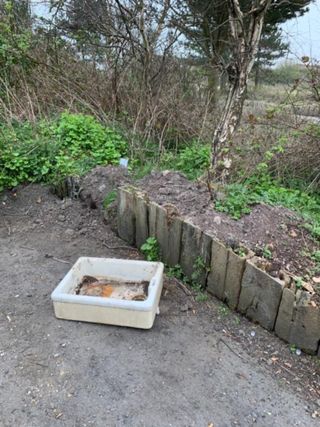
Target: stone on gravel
[
  {"x": 217, "y": 220},
  {"x": 260, "y": 296}
]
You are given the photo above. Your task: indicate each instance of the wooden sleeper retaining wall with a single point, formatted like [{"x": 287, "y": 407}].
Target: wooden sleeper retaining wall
[{"x": 234, "y": 279}]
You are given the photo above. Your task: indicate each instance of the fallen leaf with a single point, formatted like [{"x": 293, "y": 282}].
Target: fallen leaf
[
  {"x": 316, "y": 280},
  {"x": 292, "y": 233}
]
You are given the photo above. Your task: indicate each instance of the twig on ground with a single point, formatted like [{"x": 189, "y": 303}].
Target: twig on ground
[
  {"x": 182, "y": 286},
  {"x": 28, "y": 210},
  {"x": 41, "y": 364},
  {"x": 27, "y": 247},
  {"x": 285, "y": 369},
  {"x": 229, "y": 347},
  {"x": 61, "y": 260},
  {"x": 57, "y": 259}
]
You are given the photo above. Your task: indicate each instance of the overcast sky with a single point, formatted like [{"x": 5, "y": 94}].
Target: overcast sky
[{"x": 303, "y": 33}]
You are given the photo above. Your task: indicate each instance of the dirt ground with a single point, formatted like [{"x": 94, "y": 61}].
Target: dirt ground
[
  {"x": 273, "y": 227},
  {"x": 200, "y": 365}
]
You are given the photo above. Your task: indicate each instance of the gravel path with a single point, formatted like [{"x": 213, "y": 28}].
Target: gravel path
[{"x": 189, "y": 370}]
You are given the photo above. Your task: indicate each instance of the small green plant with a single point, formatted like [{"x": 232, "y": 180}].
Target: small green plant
[
  {"x": 110, "y": 198},
  {"x": 223, "y": 310},
  {"x": 298, "y": 282},
  {"x": 150, "y": 249},
  {"x": 236, "y": 320},
  {"x": 201, "y": 297},
  {"x": 241, "y": 251},
  {"x": 266, "y": 253},
  {"x": 293, "y": 348},
  {"x": 199, "y": 266},
  {"x": 238, "y": 201},
  {"x": 176, "y": 272},
  {"x": 316, "y": 256}
]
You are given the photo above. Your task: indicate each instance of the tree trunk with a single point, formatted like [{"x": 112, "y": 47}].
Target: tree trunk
[
  {"x": 245, "y": 35},
  {"x": 227, "y": 125}
]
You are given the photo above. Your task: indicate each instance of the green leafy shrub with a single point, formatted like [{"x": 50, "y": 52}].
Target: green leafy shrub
[
  {"x": 50, "y": 151},
  {"x": 25, "y": 154},
  {"x": 84, "y": 143},
  {"x": 82, "y": 136},
  {"x": 194, "y": 160}
]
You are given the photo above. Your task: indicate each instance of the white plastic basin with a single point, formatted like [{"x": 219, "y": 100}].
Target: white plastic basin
[{"x": 113, "y": 311}]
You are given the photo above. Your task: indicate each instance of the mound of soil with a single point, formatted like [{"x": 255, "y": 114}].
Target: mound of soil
[
  {"x": 275, "y": 228},
  {"x": 101, "y": 181}
]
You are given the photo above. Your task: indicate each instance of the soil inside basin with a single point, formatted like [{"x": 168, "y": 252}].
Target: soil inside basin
[{"x": 117, "y": 289}]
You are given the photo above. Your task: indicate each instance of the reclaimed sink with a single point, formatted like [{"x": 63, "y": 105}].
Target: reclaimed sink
[{"x": 110, "y": 291}]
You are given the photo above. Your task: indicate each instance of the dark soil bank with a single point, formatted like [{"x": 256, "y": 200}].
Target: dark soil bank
[{"x": 273, "y": 227}]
